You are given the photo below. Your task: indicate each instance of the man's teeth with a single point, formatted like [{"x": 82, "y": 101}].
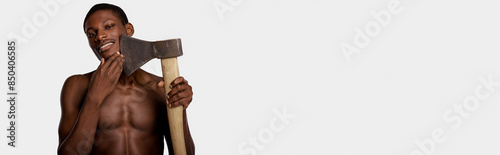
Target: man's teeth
[{"x": 105, "y": 45}]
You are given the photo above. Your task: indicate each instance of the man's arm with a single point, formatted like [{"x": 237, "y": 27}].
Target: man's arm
[
  {"x": 187, "y": 136},
  {"x": 180, "y": 95},
  {"x": 77, "y": 127},
  {"x": 188, "y": 140},
  {"x": 80, "y": 102}
]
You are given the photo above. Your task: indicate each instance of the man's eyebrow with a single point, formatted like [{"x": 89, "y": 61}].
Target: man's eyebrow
[
  {"x": 88, "y": 29},
  {"x": 103, "y": 22}
]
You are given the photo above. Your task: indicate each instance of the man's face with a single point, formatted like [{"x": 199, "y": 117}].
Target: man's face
[{"x": 103, "y": 30}]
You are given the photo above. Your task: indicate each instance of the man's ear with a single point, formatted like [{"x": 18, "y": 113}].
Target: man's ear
[{"x": 130, "y": 29}]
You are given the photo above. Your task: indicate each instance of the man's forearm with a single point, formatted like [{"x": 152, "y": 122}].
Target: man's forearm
[
  {"x": 81, "y": 138},
  {"x": 187, "y": 136}
]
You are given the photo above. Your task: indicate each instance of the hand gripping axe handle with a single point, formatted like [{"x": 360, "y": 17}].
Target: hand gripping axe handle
[{"x": 136, "y": 53}]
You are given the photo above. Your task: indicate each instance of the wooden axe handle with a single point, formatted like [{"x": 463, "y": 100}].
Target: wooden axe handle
[{"x": 175, "y": 115}]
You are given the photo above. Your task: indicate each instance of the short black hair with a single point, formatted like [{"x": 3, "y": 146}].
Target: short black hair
[{"x": 117, "y": 11}]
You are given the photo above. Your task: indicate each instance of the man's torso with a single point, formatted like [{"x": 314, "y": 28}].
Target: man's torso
[{"x": 132, "y": 119}]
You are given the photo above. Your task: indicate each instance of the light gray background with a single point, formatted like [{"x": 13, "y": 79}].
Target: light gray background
[{"x": 270, "y": 55}]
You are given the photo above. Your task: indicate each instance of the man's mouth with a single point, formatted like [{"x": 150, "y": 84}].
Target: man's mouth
[{"x": 105, "y": 47}]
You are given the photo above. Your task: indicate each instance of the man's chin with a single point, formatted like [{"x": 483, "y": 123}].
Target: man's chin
[{"x": 107, "y": 54}]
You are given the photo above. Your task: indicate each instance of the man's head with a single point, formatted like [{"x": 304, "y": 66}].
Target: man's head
[{"x": 103, "y": 25}]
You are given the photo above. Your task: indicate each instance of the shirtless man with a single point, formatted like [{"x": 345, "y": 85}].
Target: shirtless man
[{"x": 105, "y": 111}]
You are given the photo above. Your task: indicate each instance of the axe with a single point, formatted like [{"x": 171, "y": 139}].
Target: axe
[{"x": 136, "y": 53}]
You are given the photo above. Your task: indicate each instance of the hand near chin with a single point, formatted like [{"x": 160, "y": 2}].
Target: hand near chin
[
  {"x": 105, "y": 77},
  {"x": 181, "y": 93}
]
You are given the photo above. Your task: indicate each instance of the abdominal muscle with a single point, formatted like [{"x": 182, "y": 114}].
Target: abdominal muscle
[{"x": 131, "y": 121}]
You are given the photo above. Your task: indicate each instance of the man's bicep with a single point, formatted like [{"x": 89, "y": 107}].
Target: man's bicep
[{"x": 72, "y": 96}]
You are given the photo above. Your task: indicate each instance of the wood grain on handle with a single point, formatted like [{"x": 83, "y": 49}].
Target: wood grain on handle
[{"x": 175, "y": 115}]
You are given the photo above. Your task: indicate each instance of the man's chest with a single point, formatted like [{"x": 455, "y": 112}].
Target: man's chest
[{"x": 134, "y": 107}]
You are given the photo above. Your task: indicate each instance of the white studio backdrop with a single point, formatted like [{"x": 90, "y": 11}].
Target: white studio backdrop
[{"x": 279, "y": 77}]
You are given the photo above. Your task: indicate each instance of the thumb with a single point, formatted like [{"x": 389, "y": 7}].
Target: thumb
[
  {"x": 102, "y": 61},
  {"x": 100, "y": 64}
]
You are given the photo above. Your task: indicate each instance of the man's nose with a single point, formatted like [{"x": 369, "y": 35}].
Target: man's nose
[{"x": 100, "y": 36}]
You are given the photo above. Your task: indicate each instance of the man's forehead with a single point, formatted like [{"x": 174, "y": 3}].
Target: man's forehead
[{"x": 100, "y": 17}]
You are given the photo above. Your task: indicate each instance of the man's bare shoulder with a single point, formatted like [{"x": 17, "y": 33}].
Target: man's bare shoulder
[
  {"x": 75, "y": 87},
  {"x": 78, "y": 80},
  {"x": 150, "y": 81},
  {"x": 147, "y": 78}
]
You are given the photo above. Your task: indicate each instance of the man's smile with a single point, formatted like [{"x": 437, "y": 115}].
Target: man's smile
[{"x": 105, "y": 46}]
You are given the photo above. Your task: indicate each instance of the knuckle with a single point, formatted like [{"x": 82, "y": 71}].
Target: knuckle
[
  {"x": 185, "y": 101},
  {"x": 175, "y": 103},
  {"x": 181, "y": 95},
  {"x": 177, "y": 96}
]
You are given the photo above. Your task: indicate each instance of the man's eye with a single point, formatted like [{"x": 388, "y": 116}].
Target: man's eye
[
  {"x": 108, "y": 27},
  {"x": 91, "y": 34}
]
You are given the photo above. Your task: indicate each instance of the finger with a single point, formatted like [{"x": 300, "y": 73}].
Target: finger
[
  {"x": 117, "y": 62},
  {"x": 101, "y": 64},
  {"x": 115, "y": 74},
  {"x": 180, "y": 96},
  {"x": 110, "y": 60},
  {"x": 161, "y": 83},
  {"x": 179, "y": 88},
  {"x": 184, "y": 102},
  {"x": 177, "y": 81},
  {"x": 117, "y": 71},
  {"x": 102, "y": 61}
]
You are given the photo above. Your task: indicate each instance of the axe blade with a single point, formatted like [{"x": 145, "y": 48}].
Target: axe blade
[{"x": 138, "y": 52}]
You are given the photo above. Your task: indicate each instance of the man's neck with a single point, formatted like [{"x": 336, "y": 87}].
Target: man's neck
[{"x": 130, "y": 80}]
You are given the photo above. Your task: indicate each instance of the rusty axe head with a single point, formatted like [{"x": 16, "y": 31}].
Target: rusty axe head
[{"x": 137, "y": 52}]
